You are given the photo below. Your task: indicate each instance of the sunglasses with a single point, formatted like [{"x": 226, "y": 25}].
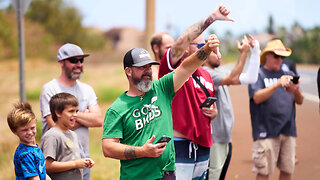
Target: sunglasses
[
  {"x": 199, "y": 45},
  {"x": 75, "y": 60},
  {"x": 277, "y": 56}
]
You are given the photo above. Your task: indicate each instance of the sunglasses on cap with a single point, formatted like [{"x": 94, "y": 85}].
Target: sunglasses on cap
[
  {"x": 74, "y": 60},
  {"x": 199, "y": 45}
]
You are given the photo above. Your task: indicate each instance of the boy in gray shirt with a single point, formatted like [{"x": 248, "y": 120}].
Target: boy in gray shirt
[{"x": 60, "y": 145}]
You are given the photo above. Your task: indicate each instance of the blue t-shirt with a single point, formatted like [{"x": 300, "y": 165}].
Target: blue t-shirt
[
  {"x": 29, "y": 162},
  {"x": 276, "y": 115}
]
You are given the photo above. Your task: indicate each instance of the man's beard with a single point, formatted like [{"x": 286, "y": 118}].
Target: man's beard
[
  {"x": 160, "y": 55},
  {"x": 73, "y": 76},
  {"x": 141, "y": 84},
  {"x": 214, "y": 64}
]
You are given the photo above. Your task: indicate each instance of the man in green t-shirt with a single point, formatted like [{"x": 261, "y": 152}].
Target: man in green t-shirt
[{"x": 143, "y": 114}]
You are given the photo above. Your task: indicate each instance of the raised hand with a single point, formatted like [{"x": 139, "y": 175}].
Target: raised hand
[
  {"x": 243, "y": 46},
  {"x": 221, "y": 13},
  {"x": 213, "y": 43}
]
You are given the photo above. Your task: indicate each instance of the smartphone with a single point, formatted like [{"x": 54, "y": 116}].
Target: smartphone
[
  {"x": 163, "y": 139},
  {"x": 208, "y": 102},
  {"x": 295, "y": 79}
]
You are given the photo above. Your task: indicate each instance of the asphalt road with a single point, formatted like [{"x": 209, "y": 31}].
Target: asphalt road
[{"x": 308, "y": 143}]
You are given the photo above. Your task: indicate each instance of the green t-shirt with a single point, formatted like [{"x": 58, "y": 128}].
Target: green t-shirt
[{"x": 134, "y": 121}]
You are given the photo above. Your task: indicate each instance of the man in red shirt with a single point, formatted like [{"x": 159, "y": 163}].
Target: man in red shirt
[{"x": 191, "y": 124}]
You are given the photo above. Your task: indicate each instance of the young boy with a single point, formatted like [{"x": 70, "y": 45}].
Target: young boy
[
  {"x": 60, "y": 145},
  {"x": 29, "y": 161}
]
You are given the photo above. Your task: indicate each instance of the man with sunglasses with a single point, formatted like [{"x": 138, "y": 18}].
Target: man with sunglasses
[
  {"x": 71, "y": 60},
  {"x": 191, "y": 124},
  {"x": 272, "y": 108}
]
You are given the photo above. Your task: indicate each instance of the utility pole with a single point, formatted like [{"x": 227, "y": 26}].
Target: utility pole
[
  {"x": 150, "y": 22},
  {"x": 21, "y": 7}
]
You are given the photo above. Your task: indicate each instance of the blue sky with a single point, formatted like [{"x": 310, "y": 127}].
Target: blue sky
[{"x": 250, "y": 15}]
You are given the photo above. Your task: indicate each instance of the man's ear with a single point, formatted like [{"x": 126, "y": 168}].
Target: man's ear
[
  {"x": 128, "y": 71},
  {"x": 156, "y": 49},
  {"x": 61, "y": 63}
]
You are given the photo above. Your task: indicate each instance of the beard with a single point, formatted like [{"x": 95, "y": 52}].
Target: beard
[
  {"x": 215, "y": 63},
  {"x": 141, "y": 84},
  {"x": 72, "y": 75},
  {"x": 160, "y": 55}
]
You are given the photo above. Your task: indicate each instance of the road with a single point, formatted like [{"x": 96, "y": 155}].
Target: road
[{"x": 308, "y": 144}]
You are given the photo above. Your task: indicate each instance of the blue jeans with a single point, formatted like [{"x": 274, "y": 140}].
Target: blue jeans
[
  {"x": 191, "y": 160},
  {"x": 86, "y": 174}
]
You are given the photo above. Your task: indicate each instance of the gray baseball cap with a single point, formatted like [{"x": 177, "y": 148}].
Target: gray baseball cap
[
  {"x": 70, "y": 50},
  {"x": 137, "y": 57}
]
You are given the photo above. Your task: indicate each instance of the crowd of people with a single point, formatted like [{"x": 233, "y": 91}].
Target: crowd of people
[{"x": 165, "y": 126}]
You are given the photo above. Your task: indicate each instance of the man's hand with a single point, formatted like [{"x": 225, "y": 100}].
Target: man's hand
[
  {"x": 211, "y": 111},
  {"x": 292, "y": 88},
  {"x": 244, "y": 45},
  {"x": 213, "y": 43},
  {"x": 221, "y": 13},
  {"x": 284, "y": 81},
  {"x": 153, "y": 150}
]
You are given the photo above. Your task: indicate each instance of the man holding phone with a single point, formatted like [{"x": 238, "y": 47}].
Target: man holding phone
[
  {"x": 272, "y": 108},
  {"x": 191, "y": 124},
  {"x": 144, "y": 113}
]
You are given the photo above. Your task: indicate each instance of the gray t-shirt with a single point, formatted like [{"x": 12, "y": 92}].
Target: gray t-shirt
[
  {"x": 62, "y": 146},
  {"x": 86, "y": 97},
  {"x": 221, "y": 125}
]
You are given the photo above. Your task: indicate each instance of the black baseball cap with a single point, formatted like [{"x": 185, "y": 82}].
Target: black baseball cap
[{"x": 137, "y": 57}]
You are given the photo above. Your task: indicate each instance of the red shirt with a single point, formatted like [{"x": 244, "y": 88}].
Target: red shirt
[{"x": 187, "y": 116}]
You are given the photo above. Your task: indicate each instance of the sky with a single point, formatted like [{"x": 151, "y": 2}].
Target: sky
[{"x": 250, "y": 15}]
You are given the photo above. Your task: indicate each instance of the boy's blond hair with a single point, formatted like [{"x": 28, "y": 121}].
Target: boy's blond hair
[{"x": 20, "y": 115}]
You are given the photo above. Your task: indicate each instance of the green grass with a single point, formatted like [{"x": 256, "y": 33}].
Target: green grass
[
  {"x": 108, "y": 94},
  {"x": 33, "y": 94},
  {"x": 38, "y": 73}
]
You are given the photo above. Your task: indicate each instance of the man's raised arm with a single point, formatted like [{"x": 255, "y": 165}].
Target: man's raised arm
[
  {"x": 191, "y": 63},
  {"x": 182, "y": 43}
]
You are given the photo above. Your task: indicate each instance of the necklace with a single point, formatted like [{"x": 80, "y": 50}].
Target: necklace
[{"x": 141, "y": 97}]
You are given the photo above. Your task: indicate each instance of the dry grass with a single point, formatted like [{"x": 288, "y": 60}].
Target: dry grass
[{"x": 98, "y": 74}]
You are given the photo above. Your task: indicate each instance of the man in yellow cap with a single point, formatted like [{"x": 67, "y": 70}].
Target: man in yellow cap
[{"x": 272, "y": 108}]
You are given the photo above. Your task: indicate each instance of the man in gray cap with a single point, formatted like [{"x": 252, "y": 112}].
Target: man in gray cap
[
  {"x": 71, "y": 57},
  {"x": 141, "y": 116}
]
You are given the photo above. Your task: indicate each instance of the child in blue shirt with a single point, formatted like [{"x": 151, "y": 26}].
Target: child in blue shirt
[{"x": 29, "y": 161}]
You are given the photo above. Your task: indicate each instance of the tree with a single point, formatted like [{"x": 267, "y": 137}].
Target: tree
[
  {"x": 270, "y": 27},
  {"x": 63, "y": 22}
]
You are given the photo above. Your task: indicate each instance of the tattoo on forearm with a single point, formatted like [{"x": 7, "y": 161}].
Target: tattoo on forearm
[
  {"x": 201, "y": 54},
  {"x": 206, "y": 23},
  {"x": 130, "y": 153}
]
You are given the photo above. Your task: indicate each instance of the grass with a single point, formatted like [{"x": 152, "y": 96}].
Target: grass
[{"x": 106, "y": 78}]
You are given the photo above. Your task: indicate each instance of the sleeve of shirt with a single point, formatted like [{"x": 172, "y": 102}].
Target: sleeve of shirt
[
  {"x": 44, "y": 102},
  {"x": 165, "y": 64},
  {"x": 166, "y": 84},
  {"x": 93, "y": 100},
  {"x": 49, "y": 146},
  {"x": 256, "y": 86},
  {"x": 113, "y": 125},
  {"x": 216, "y": 77},
  {"x": 28, "y": 166}
]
